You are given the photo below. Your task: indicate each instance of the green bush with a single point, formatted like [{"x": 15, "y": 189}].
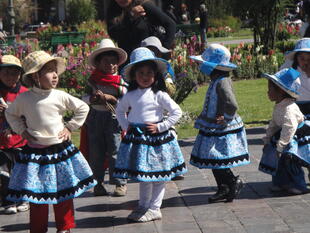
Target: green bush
[
  {"x": 81, "y": 10},
  {"x": 230, "y": 21}
]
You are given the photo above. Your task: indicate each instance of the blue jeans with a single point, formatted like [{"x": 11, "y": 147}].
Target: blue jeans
[
  {"x": 104, "y": 137},
  {"x": 289, "y": 174}
]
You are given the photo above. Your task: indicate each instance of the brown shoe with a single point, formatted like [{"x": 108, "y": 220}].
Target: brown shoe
[
  {"x": 99, "y": 190},
  {"x": 120, "y": 190}
]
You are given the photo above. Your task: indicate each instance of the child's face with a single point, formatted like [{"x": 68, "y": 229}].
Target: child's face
[
  {"x": 9, "y": 76},
  {"x": 108, "y": 64},
  {"x": 47, "y": 77},
  {"x": 275, "y": 93},
  {"x": 145, "y": 76},
  {"x": 303, "y": 60}
]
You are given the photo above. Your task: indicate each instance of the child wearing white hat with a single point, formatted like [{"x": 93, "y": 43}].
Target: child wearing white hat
[
  {"x": 49, "y": 169},
  {"x": 149, "y": 153},
  {"x": 104, "y": 132},
  {"x": 286, "y": 147},
  {"x": 221, "y": 143},
  {"x": 10, "y": 142}
]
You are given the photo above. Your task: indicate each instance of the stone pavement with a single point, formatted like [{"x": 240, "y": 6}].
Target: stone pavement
[{"x": 186, "y": 208}]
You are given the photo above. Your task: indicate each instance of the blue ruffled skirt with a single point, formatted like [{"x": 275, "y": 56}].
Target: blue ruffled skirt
[
  {"x": 50, "y": 175},
  {"x": 298, "y": 149},
  {"x": 219, "y": 147},
  {"x": 149, "y": 157}
]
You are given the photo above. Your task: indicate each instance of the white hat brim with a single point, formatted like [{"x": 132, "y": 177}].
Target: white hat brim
[
  {"x": 226, "y": 67},
  {"x": 290, "y": 55},
  {"x": 274, "y": 79},
  {"x": 121, "y": 54}
]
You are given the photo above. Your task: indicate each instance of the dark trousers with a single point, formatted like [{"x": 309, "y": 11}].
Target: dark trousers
[{"x": 223, "y": 176}]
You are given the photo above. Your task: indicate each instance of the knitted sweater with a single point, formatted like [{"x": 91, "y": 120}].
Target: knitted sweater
[{"x": 41, "y": 112}]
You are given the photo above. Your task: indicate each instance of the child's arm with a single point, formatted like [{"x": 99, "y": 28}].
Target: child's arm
[
  {"x": 80, "y": 110},
  {"x": 13, "y": 115},
  {"x": 289, "y": 127},
  {"x": 172, "y": 107},
  {"x": 227, "y": 103},
  {"x": 121, "y": 112},
  {"x": 270, "y": 131}
]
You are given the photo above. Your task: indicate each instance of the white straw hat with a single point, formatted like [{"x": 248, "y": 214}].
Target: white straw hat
[{"x": 104, "y": 46}]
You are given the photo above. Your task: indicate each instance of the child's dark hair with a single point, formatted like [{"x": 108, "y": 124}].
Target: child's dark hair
[
  {"x": 159, "y": 83},
  {"x": 107, "y": 53},
  {"x": 218, "y": 73},
  {"x": 285, "y": 94}
]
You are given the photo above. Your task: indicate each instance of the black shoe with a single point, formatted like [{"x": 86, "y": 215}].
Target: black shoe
[
  {"x": 180, "y": 177},
  {"x": 234, "y": 189},
  {"x": 99, "y": 190},
  {"x": 220, "y": 195}
]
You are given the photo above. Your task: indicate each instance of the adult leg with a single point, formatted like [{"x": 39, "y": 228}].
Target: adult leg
[
  {"x": 38, "y": 218},
  {"x": 64, "y": 215}
]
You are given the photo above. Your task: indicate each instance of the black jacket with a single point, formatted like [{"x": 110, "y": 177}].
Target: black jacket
[{"x": 130, "y": 32}]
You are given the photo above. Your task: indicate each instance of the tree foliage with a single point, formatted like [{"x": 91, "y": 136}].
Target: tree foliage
[
  {"x": 81, "y": 10},
  {"x": 264, "y": 16}
]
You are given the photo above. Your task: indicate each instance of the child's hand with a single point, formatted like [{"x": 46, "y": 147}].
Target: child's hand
[
  {"x": 152, "y": 128},
  {"x": 65, "y": 134},
  {"x": 28, "y": 136},
  {"x": 2, "y": 109},
  {"x": 8, "y": 133},
  {"x": 220, "y": 120}
]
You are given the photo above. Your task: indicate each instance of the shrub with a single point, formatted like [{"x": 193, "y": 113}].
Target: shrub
[
  {"x": 81, "y": 10},
  {"x": 230, "y": 21}
]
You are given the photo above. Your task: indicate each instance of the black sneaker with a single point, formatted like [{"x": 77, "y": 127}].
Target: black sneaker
[{"x": 99, "y": 190}]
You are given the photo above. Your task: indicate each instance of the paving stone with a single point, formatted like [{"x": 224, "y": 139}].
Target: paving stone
[{"x": 186, "y": 209}]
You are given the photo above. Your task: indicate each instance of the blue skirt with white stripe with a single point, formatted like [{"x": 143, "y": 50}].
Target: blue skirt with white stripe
[
  {"x": 219, "y": 147},
  {"x": 298, "y": 149},
  {"x": 149, "y": 157},
  {"x": 50, "y": 175}
]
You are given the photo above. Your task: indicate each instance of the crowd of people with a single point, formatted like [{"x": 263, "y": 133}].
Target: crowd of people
[{"x": 128, "y": 118}]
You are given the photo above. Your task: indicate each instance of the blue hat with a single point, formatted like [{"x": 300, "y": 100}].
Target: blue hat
[
  {"x": 287, "y": 79},
  {"x": 216, "y": 56},
  {"x": 302, "y": 45},
  {"x": 144, "y": 54}
]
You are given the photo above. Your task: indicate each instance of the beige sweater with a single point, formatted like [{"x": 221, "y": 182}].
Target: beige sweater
[
  {"x": 43, "y": 112},
  {"x": 286, "y": 117}
]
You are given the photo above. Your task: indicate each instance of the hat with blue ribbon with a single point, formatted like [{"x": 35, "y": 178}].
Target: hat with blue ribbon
[
  {"x": 287, "y": 79},
  {"x": 302, "y": 45},
  {"x": 144, "y": 54},
  {"x": 216, "y": 56}
]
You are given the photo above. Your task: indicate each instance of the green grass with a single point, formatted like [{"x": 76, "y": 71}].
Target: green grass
[
  {"x": 239, "y": 35},
  {"x": 254, "y": 105}
]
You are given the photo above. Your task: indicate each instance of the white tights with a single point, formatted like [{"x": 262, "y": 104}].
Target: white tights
[{"x": 151, "y": 194}]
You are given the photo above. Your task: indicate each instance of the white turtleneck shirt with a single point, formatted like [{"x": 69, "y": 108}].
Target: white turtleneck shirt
[
  {"x": 41, "y": 112},
  {"x": 145, "y": 106}
]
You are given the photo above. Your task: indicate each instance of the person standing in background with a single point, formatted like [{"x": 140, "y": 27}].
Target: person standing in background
[{"x": 203, "y": 24}]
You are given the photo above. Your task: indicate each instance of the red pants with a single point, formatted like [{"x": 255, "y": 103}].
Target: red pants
[{"x": 64, "y": 216}]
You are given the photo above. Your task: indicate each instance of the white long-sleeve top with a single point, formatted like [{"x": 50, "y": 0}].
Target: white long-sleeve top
[
  {"x": 286, "y": 116},
  {"x": 147, "y": 107},
  {"x": 43, "y": 111},
  {"x": 304, "y": 90}
]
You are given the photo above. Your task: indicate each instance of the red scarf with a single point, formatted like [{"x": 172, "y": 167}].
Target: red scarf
[{"x": 106, "y": 79}]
